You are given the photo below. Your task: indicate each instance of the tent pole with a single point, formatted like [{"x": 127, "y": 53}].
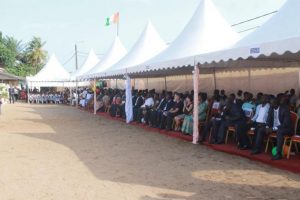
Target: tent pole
[
  {"x": 28, "y": 92},
  {"x": 95, "y": 97},
  {"x": 147, "y": 83},
  {"x": 70, "y": 95},
  {"x": 195, "y": 112},
  {"x": 166, "y": 83},
  {"x": 76, "y": 89},
  {"x": 116, "y": 83},
  {"x": 215, "y": 79},
  {"x": 249, "y": 79}
]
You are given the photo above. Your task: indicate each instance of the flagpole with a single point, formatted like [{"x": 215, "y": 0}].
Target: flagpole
[{"x": 118, "y": 28}]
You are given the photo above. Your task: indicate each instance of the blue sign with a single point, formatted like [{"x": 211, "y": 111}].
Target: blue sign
[{"x": 254, "y": 50}]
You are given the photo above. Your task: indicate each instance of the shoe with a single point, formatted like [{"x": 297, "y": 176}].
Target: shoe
[
  {"x": 201, "y": 140},
  {"x": 255, "y": 152},
  {"x": 220, "y": 142},
  {"x": 277, "y": 157},
  {"x": 244, "y": 148}
]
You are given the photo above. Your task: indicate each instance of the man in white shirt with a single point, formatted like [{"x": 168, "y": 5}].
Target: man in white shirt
[
  {"x": 279, "y": 122},
  {"x": 149, "y": 102},
  {"x": 258, "y": 124}
]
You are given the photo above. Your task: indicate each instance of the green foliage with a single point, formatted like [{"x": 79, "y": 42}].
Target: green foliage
[{"x": 19, "y": 59}]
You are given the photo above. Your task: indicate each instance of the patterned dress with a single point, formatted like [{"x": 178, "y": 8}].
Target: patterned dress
[{"x": 187, "y": 126}]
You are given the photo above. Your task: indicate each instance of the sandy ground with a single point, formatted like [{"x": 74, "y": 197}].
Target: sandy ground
[{"x": 58, "y": 152}]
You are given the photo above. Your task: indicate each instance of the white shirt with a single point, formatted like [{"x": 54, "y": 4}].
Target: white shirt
[
  {"x": 276, "y": 122},
  {"x": 261, "y": 114},
  {"x": 149, "y": 102}
]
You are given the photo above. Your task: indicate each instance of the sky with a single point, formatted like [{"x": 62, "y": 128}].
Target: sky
[{"x": 64, "y": 23}]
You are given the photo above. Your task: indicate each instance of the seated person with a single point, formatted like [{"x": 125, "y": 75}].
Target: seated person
[
  {"x": 279, "y": 122},
  {"x": 156, "y": 112},
  {"x": 145, "y": 108},
  {"x": 176, "y": 109},
  {"x": 216, "y": 110},
  {"x": 139, "y": 101},
  {"x": 248, "y": 106},
  {"x": 233, "y": 115},
  {"x": 187, "y": 110},
  {"x": 115, "y": 110},
  {"x": 187, "y": 126},
  {"x": 258, "y": 123}
]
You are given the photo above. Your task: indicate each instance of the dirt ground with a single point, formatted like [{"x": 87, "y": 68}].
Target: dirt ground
[{"x": 58, "y": 152}]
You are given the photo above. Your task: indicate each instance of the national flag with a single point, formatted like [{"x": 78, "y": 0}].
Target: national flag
[{"x": 114, "y": 19}]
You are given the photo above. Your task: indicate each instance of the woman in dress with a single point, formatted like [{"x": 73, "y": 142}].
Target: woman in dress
[
  {"x": 187, "y": 110},
  {"x": 187, "y": 126}
]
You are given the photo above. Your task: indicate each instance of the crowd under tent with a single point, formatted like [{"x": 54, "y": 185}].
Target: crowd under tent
[
  {"x": 247, "y": 64},
  {"x": 207, "y": 31}
]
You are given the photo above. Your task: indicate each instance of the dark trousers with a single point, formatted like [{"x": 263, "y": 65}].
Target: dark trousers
[
  {"x": 211, "y": 126},
  {"x": 155, "y": 118},
  {"x": 170, "y": 118},
  {"x": 135, "y": 113},
  {"x": 241, "y": 133},
  {"x": 11, "y": 98},
  {"x": 221, "y": 132},
  {"x": 259, "y": 135}
]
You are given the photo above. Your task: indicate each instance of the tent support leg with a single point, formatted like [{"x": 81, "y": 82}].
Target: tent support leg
[
  {"x": 249, "y": 78},
  {"x": 77, "y": 94},
  {"x": 215, "y": 79},
  {"x": 147, "y": 83},
  {"x": 70, "y": 95},
  {"x": 95, "y": 97},
  {"x": 195, "y": 112},
  {"x": 166, "y": 83},
  {"x": 27, "y": 92}
]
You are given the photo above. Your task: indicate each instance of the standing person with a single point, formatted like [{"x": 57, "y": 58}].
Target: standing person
[{"x": 11, "y": 93}]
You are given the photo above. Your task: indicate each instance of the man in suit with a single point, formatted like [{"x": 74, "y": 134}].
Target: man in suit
[
  {"x": 137, "y": 104},
  {"x": 233, "y": 115},
  {"x": 279, "y": 121},
  {"x": 163, "y": 115},
  {"x": 155, "y": 113}
]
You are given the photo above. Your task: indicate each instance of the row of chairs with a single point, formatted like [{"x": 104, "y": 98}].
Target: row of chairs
[{"x": 288, "y": 140}]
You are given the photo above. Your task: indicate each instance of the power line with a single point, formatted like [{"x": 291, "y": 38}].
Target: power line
[
  {"x": 248, "y": 29},
  {"x": 248, "y": 20},
  {"x": 69, "y": 59}
]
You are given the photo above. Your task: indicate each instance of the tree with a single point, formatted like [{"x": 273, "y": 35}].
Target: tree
[{"x": 35, "y": 54}]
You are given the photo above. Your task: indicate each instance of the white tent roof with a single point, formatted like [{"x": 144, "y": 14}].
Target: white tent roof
[
  {"x": 278, "y": 36},
  {"x": 207, "y": 31},
  {"x": 89, "y": 63},
  {"x": 147, "y": 46},
  {"x": 113, "y": 55},
  {"x": 53, "y": 71}
]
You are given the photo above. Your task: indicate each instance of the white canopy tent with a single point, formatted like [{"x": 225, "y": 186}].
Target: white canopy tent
[
  {"x": 53, "y": 74},
  {"x": 112, "y": 56},
  {"x": 147, "y": 46},
  {"x": 279, "y": 37},
  {"x": 89, "y": 63},
  {"x": 207, "y": 31}
]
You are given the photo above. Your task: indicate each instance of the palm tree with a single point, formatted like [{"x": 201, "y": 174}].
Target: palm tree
[{"x": 35, "y": 54}]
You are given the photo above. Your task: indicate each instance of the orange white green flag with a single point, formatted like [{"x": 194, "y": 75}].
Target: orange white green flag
[{"x": 114, "y": 19}]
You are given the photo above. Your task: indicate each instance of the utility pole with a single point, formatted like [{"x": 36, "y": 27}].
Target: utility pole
[{"x": 76, "y": 66}]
